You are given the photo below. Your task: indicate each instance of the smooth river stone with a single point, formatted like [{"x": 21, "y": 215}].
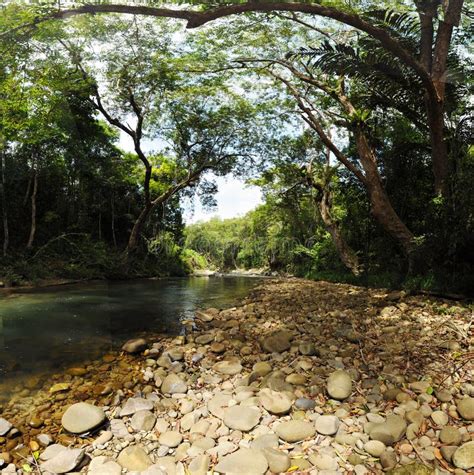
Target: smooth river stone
[
  {"x": 65, "y": 461},
  {"x": 134, "y": 458},
  {"x": 275, "y": 402},
  {"x": 82, "y": 417},
  {"x": 466, "y": 408},
  {"x": 230, "y": 367},
  {"x": 339, "y": 385},
  {"x": 5, "y": 426},
  {"x": 327, "y": 425},
  {"x": 103, "y": 466},
  {"x": 464, "y": 456},
  {"x": 244, "y": 461},
  {"x": 173, "y": 384},
  {"x": 294, "y": 431},
  {"x": 218, "y": 403},
  {"x": 135, "y": 404},
  {"x": 241, "y": 417},
  {"x": 135, "y": 346},
  {"x": 277, "y": 342}
]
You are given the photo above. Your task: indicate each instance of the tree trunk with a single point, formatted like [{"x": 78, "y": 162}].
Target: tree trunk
[
  {"x": 6, "y": 236},
  {"x": 31, "y": 238},
  {"x": 134, "y": 238},
  {"x": 114, "y": 237},
  {"x": 346, "y": 253},
  {"x": 381, "y": 207}
]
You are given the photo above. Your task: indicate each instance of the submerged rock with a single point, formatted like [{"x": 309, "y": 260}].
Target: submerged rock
[{"x": 136, "y": 345}]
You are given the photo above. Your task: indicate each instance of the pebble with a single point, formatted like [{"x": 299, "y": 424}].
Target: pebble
[
  {"x": 244, "y": 461},
  {"x": 241, "y": 418},
  {"x": 464, "y": 456},
  {"x": 295, "y": 431},
  {"x": 135, "y": 345},
  {"x": 278, "y": 462},
  {"x": 465, "y": 408},
  {"x": 275, "y": 402},
  {"x": 134, "y": 458},
  {"x": 5, "y": 426},
  {"x": 440, "y": 418},
  {"x": 374, "y": 448},
  {"x": 82, "y": 417},
  {"x": 327, "y": 425},
  {"x": 450, "y": 435},
  {"x": 339, "y": 385},
  {"x": 173, "y": 384},
  {"x": 64, "y": 461}
]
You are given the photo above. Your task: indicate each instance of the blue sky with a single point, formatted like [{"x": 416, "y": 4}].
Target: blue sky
[{"x": 234, "y": 197}]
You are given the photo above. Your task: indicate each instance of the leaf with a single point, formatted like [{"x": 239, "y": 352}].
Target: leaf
[
  {"x": 429, "y": 390},
  {"x": 293, "y": 468},
  {"x": 26, "y": 468},
  {"x": 36, "y": 454}
]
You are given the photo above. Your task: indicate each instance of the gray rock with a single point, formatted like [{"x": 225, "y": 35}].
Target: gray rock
[
  {"x": 143, "y": 420},
  {"x": 134, "y": 458},
  {"x": 5, "y": 426},
  {"x": 305, "y": 404},
  {"x": 82, "y": 417},
  {"x": 278, "y": 462},
  {"x": 450, "y": 435},
  {"x": 277, "y": 342},
  {"x": 466, "y": 408},
  {"x": 327, "y": 425},
  {"x": 464, "y": 456},
  {"x": 51, "y": 451},
  {"x": 275, "y": 402},
  {"x": 244, "y": 461},
  {"x": 65, "y": 461},
  {"x": 104, "y": 466},
  {"x": 103, "y": 438},
  {"x": 135, "y": 404},
  {"x": 228, "y": 367},
  {"x": 265, "y": 441},
  {"x": 294, "y": 431},
  {"x": 374, "y": 448},
  {"x": 241, "y": 417},
  {"x": 135, "y": 345},
  {"x": 339, "y": 385},
  {"x": 44, "y": 439},
  {"x": 440, "y": 418},
  {"x": 390, "y": 431},
  {"x": 171, "y": 438},
  {"x": 173, "y": 384}
]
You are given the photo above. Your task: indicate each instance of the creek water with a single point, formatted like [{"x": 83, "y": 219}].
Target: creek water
[{"x": 49, "y": 329}]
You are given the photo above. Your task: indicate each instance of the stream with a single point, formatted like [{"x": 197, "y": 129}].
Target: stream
[{"x": 45, "y": 330}]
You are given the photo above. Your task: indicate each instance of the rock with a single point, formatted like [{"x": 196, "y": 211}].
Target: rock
[
  {"x": 244, "y": 461},
  {"x": 204, "y": 339},
  {"x": 294, "y": 431},
  {"x": 443, "y": 395},
  {"x": 305, "y": 404},
  {"x": 143, "y": 420},
  {"x": 339, "y": 385},
  {"x": 275, "y": 402},
  {"x": 59, "y": 387},
  {"x": 52, "y": 451},
  {"x": 104, "y": 466},
  {"x": 465, "y": 408},
  {"x": 374, "y": 448},
  {"x": 82, "y": 417},
  {"x": 323, "y": 461},
  {"x": 218, "y": 403},
  {"x": 5, "y": 426},
  {"x": 390, "y": 431},
  {"x": 77, "y": 371},
  {"x": 307, "y": 349},
  {"x": 171, "y": 438},
  {"x": 173, "y": 384},
  {"x": 447, "y": 451},
  {"x": 241, "y": 417},
  {"x": 412, "y": 469},
  {"x": 388, "y": 459},
  {"x": 135, "y": 404},
  {"x": 64, "y": 461},
  {"x": 134, "y": 458},
  {"x": 207, "y": 315},
  {"x": 464, "y": 456},
  {"x": 327, "y": 425},
  {"x": 278, "y": 462},
  {"x": 200, "y": 465},
  {"x": 265, "y": 441},
  {"x": 450, "y": 435},
  {"x": 262, "y": 368},
  {"x": 277, "y": 342},
  {"x": 135, "y": 345},
  {"x": 103, "y": 438},
  {"x": 44, "y": 439},
  {"x": 440, "y": 418},
  {"x": 230, "y": 367},
  {"x": 217, "y": 347}
]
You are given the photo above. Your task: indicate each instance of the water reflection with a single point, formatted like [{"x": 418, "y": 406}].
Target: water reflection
[{"x": 49, "y": 329}]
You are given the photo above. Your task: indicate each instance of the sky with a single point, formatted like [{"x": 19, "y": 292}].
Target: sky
[{"x": 234, "y": 198}]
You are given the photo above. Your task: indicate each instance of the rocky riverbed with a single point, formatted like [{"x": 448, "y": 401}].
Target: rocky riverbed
[{"x": 300, "y": 377}]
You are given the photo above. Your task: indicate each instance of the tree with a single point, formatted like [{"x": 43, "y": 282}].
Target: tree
[{"x": 429, "y": 62}]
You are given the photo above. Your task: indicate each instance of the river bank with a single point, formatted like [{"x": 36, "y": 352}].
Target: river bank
[{"x": 299, "y": 376}]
